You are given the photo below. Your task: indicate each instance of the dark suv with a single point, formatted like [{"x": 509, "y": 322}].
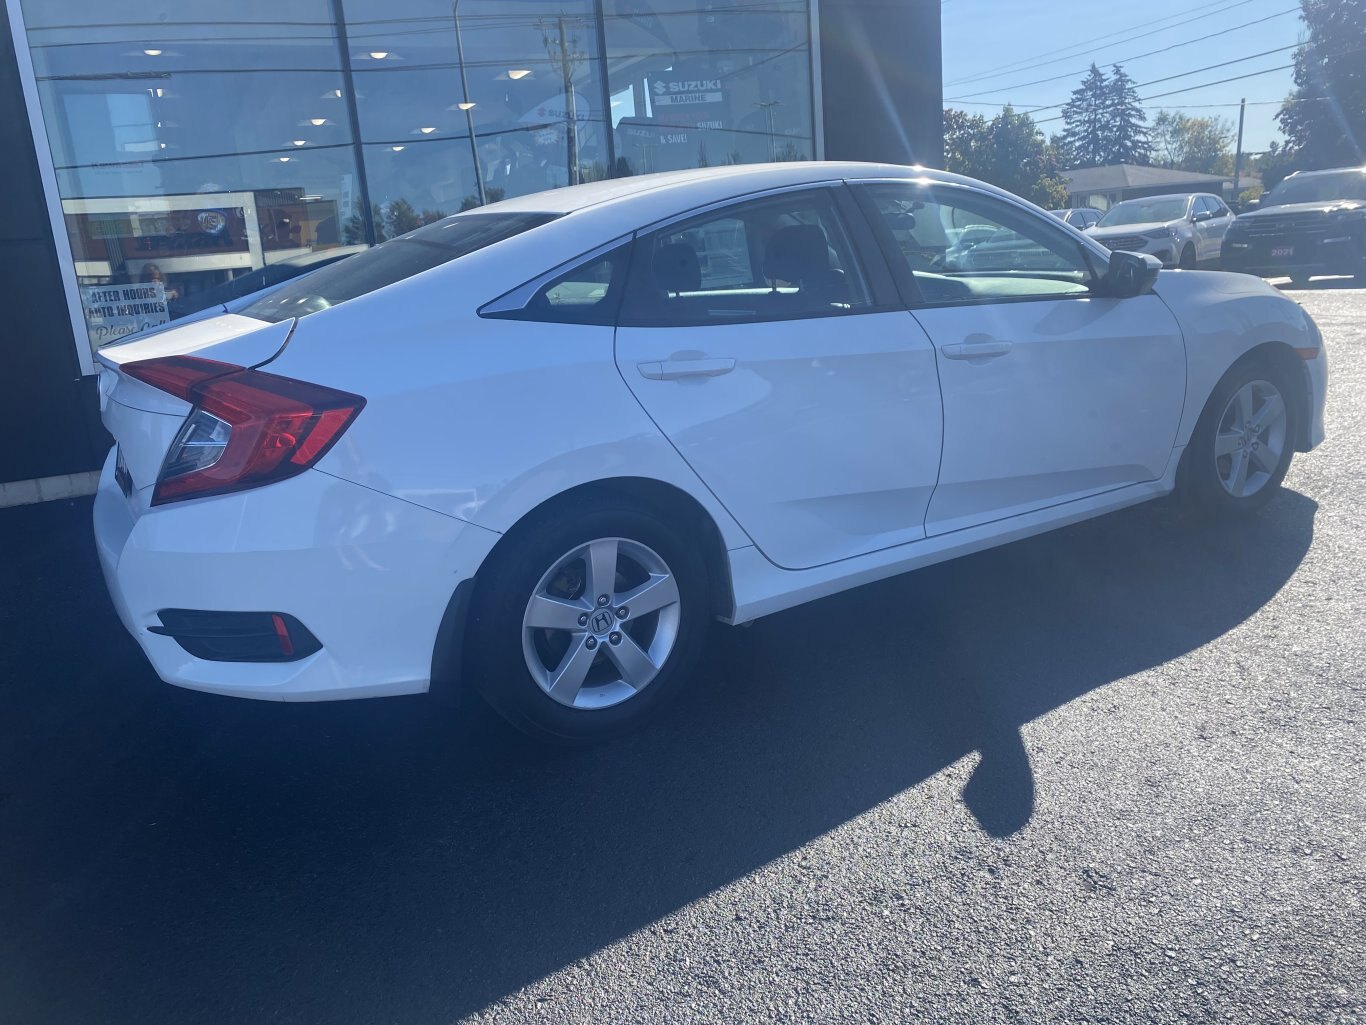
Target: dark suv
[{"x": 1313, "y": 222}]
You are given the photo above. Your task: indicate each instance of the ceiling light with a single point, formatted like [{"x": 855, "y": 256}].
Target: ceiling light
[
  {"x": 466, "y": 105},
  {"x": 378, "y": 55},
  {"x": 152, "y": 53},
  {"x": 426, "y": 131},
  {"x": 300, "y": 142},
  {"x": 397, "y": 149},
  {"x": 317, "y": 122},
  {"x": 518, "y": 73},
  {"x": 284, "y": 160},
  {"x": 162, "y": 145}
]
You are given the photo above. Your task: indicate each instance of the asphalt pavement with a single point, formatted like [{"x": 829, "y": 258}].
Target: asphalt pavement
[{"x": 1112, "y": 774}]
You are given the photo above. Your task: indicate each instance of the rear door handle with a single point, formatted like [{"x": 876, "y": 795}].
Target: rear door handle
[
  {"x": 976, "y": 350},
  {"x": 674, "y": 370}
]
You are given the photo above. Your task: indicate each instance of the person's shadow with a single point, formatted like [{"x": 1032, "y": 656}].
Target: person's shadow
[{"x": 440, "y": 866}]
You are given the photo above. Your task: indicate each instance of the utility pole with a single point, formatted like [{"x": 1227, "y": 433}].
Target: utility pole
[
  {"x": 571, "y": 107},
  {"x": 1238, "y": 153}
]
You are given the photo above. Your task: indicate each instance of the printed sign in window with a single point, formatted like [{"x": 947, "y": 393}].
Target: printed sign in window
[{"x": 114, "y": 311}]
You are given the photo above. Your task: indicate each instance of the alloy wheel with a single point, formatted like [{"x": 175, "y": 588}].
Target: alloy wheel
[
  {"x": 601, "y": 623},
  {"x": 1250, "y": 439}
]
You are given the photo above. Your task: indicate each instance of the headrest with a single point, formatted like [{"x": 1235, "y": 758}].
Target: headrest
[
  {"x": 676, "y": 268},
  {"x": 795, "y": 252}
]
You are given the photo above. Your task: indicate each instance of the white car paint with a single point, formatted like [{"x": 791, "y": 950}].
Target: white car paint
[
  {"x": 816, "y": 459},
  {"x": 1204, "y": 235}
]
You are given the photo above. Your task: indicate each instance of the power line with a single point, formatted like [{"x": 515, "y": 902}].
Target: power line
[
  {"x": 1140, "y": 56},
  {"x": 1018, "y": 66}
]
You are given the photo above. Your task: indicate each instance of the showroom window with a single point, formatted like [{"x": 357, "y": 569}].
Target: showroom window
[
  {"x": 203, "y": 151},
  {"x": 192, "y": 143}
]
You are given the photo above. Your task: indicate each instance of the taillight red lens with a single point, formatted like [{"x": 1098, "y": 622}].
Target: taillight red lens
[{"x": 279, "y": 426}]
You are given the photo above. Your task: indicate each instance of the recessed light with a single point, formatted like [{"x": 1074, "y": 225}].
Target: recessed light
[
  {"x": 397, "y": 149},
  {"x": 317, "y": 122},
  {"x": 518, "y": 73},
  {"x": 300, "y": 142},
  {"x": 466, "y": 105},
  {"x": 426, "y": 131},
  {"x": 284, "y": 160},
  {"x": 378, "y": 55},
  {"x": 161, "y": 145},
  {"x": 152, "y": 53}
]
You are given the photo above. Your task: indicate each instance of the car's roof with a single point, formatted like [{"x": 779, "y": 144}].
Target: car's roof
[{"x": 723, "y": 181}]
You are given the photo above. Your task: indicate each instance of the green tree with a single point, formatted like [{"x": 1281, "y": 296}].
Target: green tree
[
  {"x": 1126, "y": 124},
  {"x": 353, "y": 233},
  {"x": 1324, "y": 120},
  {"x": 1086, "y": 135},
  {"x": 1200, "y": 144},
  {"x": 400, "y": 218},
  {"x": 1008, "y": 151}
]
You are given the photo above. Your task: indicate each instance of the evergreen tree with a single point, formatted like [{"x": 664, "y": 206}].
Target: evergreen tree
[
  {"x": 1126, "y": 126},
  {"x": 1086, "y": 137}
]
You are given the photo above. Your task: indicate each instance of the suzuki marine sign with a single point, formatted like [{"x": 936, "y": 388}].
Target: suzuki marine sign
[{"x": 686, "y": 92}]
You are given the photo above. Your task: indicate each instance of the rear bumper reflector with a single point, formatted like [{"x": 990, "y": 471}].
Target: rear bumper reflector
[{"x": 238, "y": 636}]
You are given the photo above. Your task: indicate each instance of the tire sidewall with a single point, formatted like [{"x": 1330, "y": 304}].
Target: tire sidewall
[
  {"x": 1200, "y": 481},
  {"x": 496, "y": 663}
]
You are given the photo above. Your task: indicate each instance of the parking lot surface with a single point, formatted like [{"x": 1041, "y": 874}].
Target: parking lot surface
[{"x": 1112, "y": 774}]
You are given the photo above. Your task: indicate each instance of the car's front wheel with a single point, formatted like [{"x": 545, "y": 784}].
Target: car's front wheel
[
  {"x": 586, "y": 622},
  {"x": 1242, "y": 445}
]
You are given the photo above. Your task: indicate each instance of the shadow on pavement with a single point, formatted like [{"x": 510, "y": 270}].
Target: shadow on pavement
[{"x": 167, "y": 856}]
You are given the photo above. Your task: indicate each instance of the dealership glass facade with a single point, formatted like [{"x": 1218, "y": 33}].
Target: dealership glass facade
[{"x": 197, "y": 142}]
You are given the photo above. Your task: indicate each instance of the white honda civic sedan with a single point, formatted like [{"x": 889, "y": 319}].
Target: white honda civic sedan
[{"x": 537, "y": 447}]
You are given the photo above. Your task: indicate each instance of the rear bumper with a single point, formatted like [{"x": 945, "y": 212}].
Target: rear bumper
[{"x": 369, "y": 575}]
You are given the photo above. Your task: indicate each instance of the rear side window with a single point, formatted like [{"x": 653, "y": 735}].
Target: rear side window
[
  {"x": 777, "y": 258},
  {"x": 391, "y": 261}
]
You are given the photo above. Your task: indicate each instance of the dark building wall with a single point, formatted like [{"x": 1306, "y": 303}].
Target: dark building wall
[
  {"x": 48, "y": 413},
  {"x": 882, "y": 76}
]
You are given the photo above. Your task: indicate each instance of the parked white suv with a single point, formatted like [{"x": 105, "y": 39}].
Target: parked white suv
[{"x": 1184, "y": 230}]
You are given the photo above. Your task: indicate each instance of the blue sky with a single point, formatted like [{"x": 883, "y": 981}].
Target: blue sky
[{"x": 996, "y": 51}]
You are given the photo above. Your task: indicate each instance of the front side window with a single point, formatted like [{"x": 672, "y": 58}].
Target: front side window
[
  {"x": 770, "y": 259},
  {"x": 392, "y": 261},
  {"x": 963, "y": 246}
]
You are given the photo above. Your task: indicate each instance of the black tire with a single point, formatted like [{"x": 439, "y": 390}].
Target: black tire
[
  {"x": 1187, "y": 261},
  {"x": 1200, "y": 482},
  {"x": 498, "y": 665}
]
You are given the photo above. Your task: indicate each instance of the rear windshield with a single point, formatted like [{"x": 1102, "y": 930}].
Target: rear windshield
[
  {"x": 1319, "y": 188},
  {"x": 391, "y": 261}
]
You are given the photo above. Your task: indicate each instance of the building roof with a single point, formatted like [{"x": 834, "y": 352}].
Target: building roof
[{"x": 1114, "y": 177}]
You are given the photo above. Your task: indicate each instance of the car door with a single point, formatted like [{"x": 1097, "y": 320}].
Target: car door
[
  {"x": 1220, "y": 217},
  {"x": 1051, "y": 393},
  {"x": 767, "y": 341}
]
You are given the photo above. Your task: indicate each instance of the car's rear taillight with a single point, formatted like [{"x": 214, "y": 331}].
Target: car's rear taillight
[{"x": 248, "y": 427}]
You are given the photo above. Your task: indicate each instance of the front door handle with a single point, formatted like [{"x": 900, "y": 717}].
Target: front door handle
[
  {"x": 674, "y": 370},
  {"x": 976, "y": 350}
]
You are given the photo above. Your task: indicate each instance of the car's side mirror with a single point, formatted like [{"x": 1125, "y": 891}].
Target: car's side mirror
[
  {"x": 1201, "y": 215},
  {"x": 1252, "y": 204},
  {"x": 1129, "y": 274}
]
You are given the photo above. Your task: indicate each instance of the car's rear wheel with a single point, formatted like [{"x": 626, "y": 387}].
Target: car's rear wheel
[
  {"x": 1187, "y": 261},
  {"x": 584, "y": 623},
  {"x": 1243, "y": 443}
]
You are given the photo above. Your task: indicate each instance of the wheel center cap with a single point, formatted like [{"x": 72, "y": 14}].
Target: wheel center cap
[{"x": 603, "y": 620}]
